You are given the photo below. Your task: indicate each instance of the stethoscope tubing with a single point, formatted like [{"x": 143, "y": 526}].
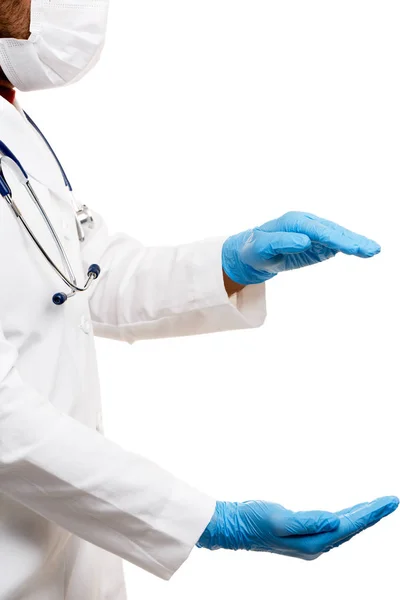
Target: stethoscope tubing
[
  {"x": 67, "y": 282},
  {"x": 5, "y": 190},
  {"x": 63, "y": 173},
  {"x": 57, "y": 240}
]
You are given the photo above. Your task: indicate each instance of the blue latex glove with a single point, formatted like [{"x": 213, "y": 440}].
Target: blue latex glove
[
  {"x": 266, "y": 527},
  {"x": 295, "y": 240}
]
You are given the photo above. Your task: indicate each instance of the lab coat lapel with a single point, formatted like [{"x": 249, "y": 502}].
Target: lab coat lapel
[{"x": 30, "y": 149}]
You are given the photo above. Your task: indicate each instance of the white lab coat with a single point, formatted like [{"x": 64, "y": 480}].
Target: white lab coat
[{"x": 72, "y": 503}]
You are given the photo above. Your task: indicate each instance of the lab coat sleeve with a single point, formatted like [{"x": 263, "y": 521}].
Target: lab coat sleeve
[
  {"x": 73, "y": 476},
  {"x": 160, "y": 292}
]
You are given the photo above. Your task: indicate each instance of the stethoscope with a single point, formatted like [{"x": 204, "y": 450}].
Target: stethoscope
[{"x": 83, "y": 217}]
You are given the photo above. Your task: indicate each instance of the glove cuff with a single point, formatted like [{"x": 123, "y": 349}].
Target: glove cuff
[{"x": 224, "y": 529}]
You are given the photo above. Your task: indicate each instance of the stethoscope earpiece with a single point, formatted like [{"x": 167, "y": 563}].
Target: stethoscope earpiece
[
  {"x": 60, "y": 298},
  {"x": 94, "y": 270},
  {"x": 93, "y": 273}
]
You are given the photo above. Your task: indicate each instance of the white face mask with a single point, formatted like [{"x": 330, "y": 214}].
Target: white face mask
[{"x": 67, "y": 37}]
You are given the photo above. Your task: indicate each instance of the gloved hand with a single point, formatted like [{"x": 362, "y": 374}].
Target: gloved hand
[
  {"x": 295, "y": 240},
  {"x": 265, "y": 527}
]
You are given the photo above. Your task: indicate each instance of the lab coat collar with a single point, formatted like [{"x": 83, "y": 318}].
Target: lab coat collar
[{"x": 22, "y": 139}]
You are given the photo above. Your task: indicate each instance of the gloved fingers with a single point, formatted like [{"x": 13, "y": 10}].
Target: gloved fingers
[
  {"x": 363, "y": 516},
  {"x": 345, "y": 511},
  {"x": 305, "y": 523},
  {"x": 338, "y": 238},
  {"x": 325, "y": 232},
  {"x": 366, "y": 518},
  {"x": 367, "y": 247},
  {"x": 271, "y": 245},
  {"x": 353, "y": 521}
]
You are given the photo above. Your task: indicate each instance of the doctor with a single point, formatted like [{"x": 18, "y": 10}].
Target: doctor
[{"x": 72, "y": 503}]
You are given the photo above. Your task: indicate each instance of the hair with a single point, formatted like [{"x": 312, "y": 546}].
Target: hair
[
  {"x": 14, "y": 22},
  {"x": 14, "y": 19}
]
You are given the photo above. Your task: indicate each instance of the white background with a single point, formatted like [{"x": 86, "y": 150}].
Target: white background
[{"x": 223, "y": 114}]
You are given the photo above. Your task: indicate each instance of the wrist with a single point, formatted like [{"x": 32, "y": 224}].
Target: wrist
[{"x": 231, "y": 286}]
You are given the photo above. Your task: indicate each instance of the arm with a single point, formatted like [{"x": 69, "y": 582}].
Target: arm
[
  {"x": 163, "y": 292},
  {"x": 145, "y": 293},
  {"x": 73, "y": 476}
]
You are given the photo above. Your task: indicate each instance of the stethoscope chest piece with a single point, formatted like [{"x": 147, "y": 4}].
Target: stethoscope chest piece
[{"x": 84, "y": 217}]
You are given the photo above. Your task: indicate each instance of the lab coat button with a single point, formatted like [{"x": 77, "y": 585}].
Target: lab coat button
[
  {"x": 85, "y": 325},
  {"x": 99, "y": 426},
  {"x": 66, "y": 230}
]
